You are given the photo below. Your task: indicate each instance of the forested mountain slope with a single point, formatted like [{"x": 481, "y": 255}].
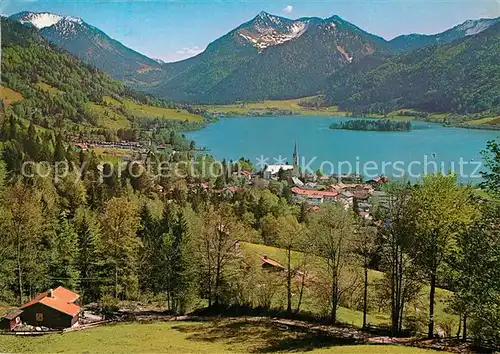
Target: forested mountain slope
[
  {"x": 92, "y": 46},
  {"x": 59, "y": 90},
  {"x": 461, "y": 77},
  {"x": 414, "y": 41}
]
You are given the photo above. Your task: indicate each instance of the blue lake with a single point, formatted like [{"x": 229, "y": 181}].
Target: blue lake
[{"x": 369, "y": 153}]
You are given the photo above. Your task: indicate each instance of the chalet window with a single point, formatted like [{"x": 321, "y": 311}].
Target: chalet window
[{"x": 39, "y": 317}]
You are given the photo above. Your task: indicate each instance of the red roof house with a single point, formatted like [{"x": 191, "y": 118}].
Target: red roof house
[
  {"x": 315, "y": 196},
  {"x": 56, "y": 308}
]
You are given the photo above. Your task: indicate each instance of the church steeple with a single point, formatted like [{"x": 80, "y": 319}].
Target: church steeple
[{"x": 296, "y": 161}]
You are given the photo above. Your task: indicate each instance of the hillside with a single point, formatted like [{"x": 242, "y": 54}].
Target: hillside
[
  {"x": 351, "y": 315},
  {"x": 92, "y": 46},
  {"x": 461, "y": 77},
  {"x": 43, "y": 84}
]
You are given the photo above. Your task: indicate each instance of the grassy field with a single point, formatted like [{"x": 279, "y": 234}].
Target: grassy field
[
  {"x": 486, "y": 121},
  {"x": 351, "y": 316},
  {"x": 292, "y": 105},
  {"x": 144, "y": 111},
  {"x": 9, "y": 96},
  {"x": 47, "y": 88},
  {"x": 108, "y": 117},
  {"x": 219, "y": 336}
]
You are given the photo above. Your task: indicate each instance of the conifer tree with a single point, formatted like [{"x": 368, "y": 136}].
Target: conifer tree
[
  {"x": 88, "y": 258},
  {"x": 64, "y": 252}
]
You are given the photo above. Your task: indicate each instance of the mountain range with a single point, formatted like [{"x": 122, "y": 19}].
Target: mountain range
[
  {"x": 272, "y": 57},
  {"x": 462, "y": 76},
  {"x": 90, "y": 44}
]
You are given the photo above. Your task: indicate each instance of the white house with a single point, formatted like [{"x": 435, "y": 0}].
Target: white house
[{"x": 271, "y": 171}]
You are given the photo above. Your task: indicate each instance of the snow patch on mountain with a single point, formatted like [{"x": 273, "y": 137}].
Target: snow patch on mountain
[
  {"x": 41, "y": 20},
  {"x": 268, "y": 30},
  {"x": 65, "y": 25},
  {"x": 473, "y": 27},
  {"x": 68, "y": 26}
]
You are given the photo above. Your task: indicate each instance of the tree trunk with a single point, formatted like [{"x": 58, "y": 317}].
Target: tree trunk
[
  {"x": 401, "y": 303},
  {"x": 289, "y": 282},
  {"x": 334, "y": 298},
  {"x": 217, "y": 283},
  {"x": 19, "y": 272},
  {"x": 395, "y": 290},
  {"x": 365, "y": 296},
  {"x": 116, "y": 281},
  {"x": 302, "y": 284},
  {"x": 209, "y": 287},
  {"x": 459, "y": 326},
  {"x": 464, "y": 333},
  {"x": 432, "y": 294}
]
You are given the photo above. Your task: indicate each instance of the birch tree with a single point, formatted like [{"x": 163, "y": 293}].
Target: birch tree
[
  {"x": 365, "y": 246},
  {"x": 216, "y": 248},
  {"x": 398, "y": 264},
  {"x": 22, "y": 232},
  {"x": 332, "y": 229},
  {"x": 289, "y": 233},
  {"x": 440, "y": 209}
]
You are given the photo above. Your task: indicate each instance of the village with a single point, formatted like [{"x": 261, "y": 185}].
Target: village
[{"x": 313, "y": 189}]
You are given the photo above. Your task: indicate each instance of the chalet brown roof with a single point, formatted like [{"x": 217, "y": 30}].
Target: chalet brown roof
[
  {"x": 266, "y": 260},
  {"x": 12, "y": 314},
  {"x": 60, "y": 299}
]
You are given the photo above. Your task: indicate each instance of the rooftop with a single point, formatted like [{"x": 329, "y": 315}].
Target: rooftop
[
  {"x": 274, "y": 169},
  {"x": 12, "y": 314},
  {"x": 314, "y": 193},
  {"x": 60, "y": 299}
]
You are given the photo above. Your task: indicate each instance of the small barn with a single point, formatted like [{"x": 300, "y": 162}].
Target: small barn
[
  {"x": 56, "y": 309},
  {"x": 268, "y": 263},
  {"x": 10, "y": 320}
]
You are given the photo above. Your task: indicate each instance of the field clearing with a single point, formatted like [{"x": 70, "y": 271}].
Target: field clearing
[
  {"x": 438, "y": 117},
  {"x": 352, "y": 316},
  {"x": 108, "y": 117},
  {"x": 486, "y": 121},
  {"x": 292, "y": 105},
  {"x": 112, "y": 155},
  {"x": 216, "y": 336},
  {"x": 9, "y": 96},
  {"x": 144, "y": 111},
  {"x": 47, "y": 88}
]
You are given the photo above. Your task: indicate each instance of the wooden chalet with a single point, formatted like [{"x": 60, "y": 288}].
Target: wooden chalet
[
  {"x": 56, "y": 309},
  {"x": 10, "y": 320}
]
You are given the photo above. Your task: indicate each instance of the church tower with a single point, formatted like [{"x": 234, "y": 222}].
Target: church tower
[{"x": 296, "y": 161}]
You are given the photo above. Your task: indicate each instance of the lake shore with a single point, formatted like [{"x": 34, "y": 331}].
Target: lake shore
[
  {"x": 292, "y": 107},
  {"x": 272, "y": 137}
]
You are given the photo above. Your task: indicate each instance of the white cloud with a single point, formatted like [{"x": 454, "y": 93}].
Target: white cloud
[
  {"x": 288, "y": 9},
  {"x": 190, "y": 50}
]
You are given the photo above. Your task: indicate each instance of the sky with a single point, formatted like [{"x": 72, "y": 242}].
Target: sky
[{"x": 172, "y": 30}]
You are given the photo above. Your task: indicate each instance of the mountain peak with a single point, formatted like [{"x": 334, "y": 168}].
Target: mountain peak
[
  {"x": 44, "y": 19},
  {"x": 472, "y": 27},
  {"x": 266, "y": 30}
]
